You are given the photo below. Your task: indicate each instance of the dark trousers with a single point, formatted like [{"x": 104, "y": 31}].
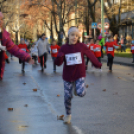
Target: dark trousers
[
  {"x": 87, "y": 60},
  {"x": 102, "y": 52},
  {"x": 34, "y": 58},
  {"x": 45, "y": 59},
  {"x": 54, "y": 66},
  {"x": 99, "y": 59},
  {"x": 23, "y": 64},
  {"x": 110, "y": 61}
]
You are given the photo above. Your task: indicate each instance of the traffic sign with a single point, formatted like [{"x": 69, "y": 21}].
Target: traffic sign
[{"x": 94, "y": 25}]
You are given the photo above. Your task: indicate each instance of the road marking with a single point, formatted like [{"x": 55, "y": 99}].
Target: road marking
[{"x": 78, "y": 130}]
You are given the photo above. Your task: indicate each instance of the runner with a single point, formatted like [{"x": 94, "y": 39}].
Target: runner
[
  {"x": 97, "y": 51},
  {"x": 7, "y": 44},
  {"x": 110, "y": 51},
  {"x": 23, "y": 47},
  {"x": 34, "y": 53},
  {"x": 91, "y": 48},
  {"x": 132, "y": 50},
  {"x": 54, "y": 51},
  {"x": 86, "y": 58},
  {"x": 72, "y": 54},
  {"x": 43, "y": 48}
]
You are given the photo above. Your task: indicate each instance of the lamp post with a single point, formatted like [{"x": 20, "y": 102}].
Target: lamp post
[
  {"x": 102, "y": 17},
  {"x": 76, "y": 12}
]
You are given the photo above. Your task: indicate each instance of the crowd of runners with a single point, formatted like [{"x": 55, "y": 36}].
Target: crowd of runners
[{"x": 74, "y": 54}]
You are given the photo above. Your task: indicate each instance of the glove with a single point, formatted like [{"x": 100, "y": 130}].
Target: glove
[{"x": 3, "y": 48}]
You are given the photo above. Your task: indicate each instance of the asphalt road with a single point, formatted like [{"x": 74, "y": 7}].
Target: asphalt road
[{"x": 107, "y": 108}]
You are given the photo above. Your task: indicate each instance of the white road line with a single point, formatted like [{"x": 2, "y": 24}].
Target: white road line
[{"x": 78, "y": 130}]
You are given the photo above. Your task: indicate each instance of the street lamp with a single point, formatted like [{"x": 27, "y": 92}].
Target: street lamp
[{"x": 102, "y": 17}]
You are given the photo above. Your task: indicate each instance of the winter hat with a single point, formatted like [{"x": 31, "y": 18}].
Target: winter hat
[
  {"x": 99, "y": 37},
  {"x": 73, "y": 29},
  {"x": 132, "y": 41}
]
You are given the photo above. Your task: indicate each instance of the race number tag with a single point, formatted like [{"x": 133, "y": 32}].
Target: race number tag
[
  {"x": 23, "y": 49},
  {"x": 110, "y": 48},
  {"x": 92, "y": 48},
  {"x": 132, "y": 47},
  {"x": 54, "y": 51},
  {"x": 87, "y": 45},
  {"x": 74, "y": 58},
  {"x": 98, "y": 49}
]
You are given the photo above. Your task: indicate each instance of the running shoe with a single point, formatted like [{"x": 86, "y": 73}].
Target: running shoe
[{"x": 67, "y": 119}]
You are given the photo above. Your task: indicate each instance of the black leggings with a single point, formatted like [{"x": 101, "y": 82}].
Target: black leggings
[
  {"x": 45, "y": 59},
  {"x": 110, "y": 61},
  {"x": 23, "y": 63}
]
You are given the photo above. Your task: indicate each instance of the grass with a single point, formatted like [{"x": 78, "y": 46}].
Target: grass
[{"x": 126, "y": 54}]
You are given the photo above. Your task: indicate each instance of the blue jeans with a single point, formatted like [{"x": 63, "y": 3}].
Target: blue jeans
[{"x": 68, "y": 88}]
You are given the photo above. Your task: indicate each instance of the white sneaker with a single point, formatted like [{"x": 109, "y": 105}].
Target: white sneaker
[{"x": 67, "y": 119}]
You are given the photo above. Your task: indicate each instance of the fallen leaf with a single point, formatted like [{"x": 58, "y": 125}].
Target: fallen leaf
[
  {"x": 58, "y": 95},
  {"x": 86, "y": 86},
  {"x": 119, "y": 77},
  {"x": 26, "y": 105},
  {"x": 128, "y": 73},
  {"x": 116, "y": 93},
  {"x": 92, "y": 83},
  {"x": 24, "y": 83},
  {"x": 104, "y": 90},
  {"x": 10, "y": 109},
  {"x": 60, "y": 117},
  {"x": 35, "y": 90}
]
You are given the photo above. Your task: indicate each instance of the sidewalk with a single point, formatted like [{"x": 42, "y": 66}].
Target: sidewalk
[{"x": 120, "y": 60}]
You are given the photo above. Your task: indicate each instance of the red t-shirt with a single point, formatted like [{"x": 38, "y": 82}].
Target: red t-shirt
[
  {"x": 98, "y": 52},
  {"x": 23, "y": 47},
  {"x": 91, "y": 48},
  {"x": 132, "y": 48},
  {"x": 54, "y": 50},
  {"x": 110, "y": 47}
]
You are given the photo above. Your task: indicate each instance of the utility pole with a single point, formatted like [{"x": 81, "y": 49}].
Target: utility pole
[
  {"x": 76, "y": 12},
  {"x": 102, "y": 17}
]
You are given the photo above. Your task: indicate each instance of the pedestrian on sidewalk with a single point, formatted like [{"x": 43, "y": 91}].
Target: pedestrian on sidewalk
[
  {"x": 110, "y": 46},
  {"x": 7, "y": 44},
  {"x": 24, "y": 48},
  {"x": 43, "y": 49},
  {"x": 101, "y": 43},
  {"x": 132, "y": 50},
  {"x": 97, "y": 51},
  {"x": 72, "y": 54},
  {"x": 54, "y": 51},
  {"x": 123, "y": 47}
]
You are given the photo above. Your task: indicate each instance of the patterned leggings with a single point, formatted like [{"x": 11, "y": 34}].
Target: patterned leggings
[{"x": 78, "y": 85}]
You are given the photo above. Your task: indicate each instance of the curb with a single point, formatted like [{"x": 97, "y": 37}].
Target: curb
[{"x": 121, "y": 63}]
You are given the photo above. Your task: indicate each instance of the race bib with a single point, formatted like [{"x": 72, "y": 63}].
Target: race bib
[
  {"x": 54, "y": 51},
  {"x": 132, "y": 47},
  {"x": 74, "y": 58},
  {"x": 23, "y": 49},
  {"x": 87, "y": 45},
  {"x": 110, "y": 48},
  {"x": 92, "y": 48},
  {"x": 98, "y": 49}
]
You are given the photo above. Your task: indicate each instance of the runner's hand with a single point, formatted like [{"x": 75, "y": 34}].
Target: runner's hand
[{"x": 31, "y": 61}]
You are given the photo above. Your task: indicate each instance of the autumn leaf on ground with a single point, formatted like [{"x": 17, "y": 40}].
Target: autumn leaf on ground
[
  {"x": 116, "y": 93},
  {"x": 119, "y": 77},
  {"x": 104, "y": 90},
  {"x": 35, "y": 90},
  {"x": 86, "y": 86},
  {"x": 26, "y": 105},
  {"x": 10, "y": 109},
  {"x": 92, "y": 83},
  {"x": 128, "y": 73},
  {"x": 58, "y": 95},
  {"x": 24, "y": 83},
  {"x": 60, "y": 117}
]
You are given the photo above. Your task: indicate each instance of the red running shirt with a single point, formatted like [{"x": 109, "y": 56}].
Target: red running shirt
[
  {"x": 54, "y": 50},
  {"x": 91, "y": 48},
  {"x": 110, "y": 47},
  {"x": 23, "y": 47},
  {"x": 132, "y": 48},
  {"x": 98, "y": 52}
]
